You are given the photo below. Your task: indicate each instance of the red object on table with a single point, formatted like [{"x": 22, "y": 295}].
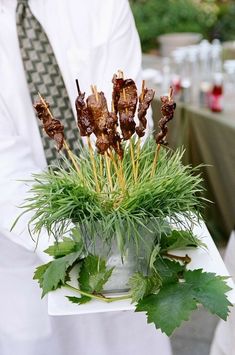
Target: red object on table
[{"x": 216, "y": 95}]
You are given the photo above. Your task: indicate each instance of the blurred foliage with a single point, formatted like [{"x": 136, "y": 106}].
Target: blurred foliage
[
  {"x": 211, "y": 18},
  {"x": 224, "y": 28}
]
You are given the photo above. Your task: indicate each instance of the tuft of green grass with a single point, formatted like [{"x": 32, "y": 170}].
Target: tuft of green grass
[{"x": 60, "y": 196}]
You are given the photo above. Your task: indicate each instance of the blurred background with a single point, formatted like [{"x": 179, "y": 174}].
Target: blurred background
[
  {"x": 211, "y": 18},
  {"x": 190, "y": 45}
]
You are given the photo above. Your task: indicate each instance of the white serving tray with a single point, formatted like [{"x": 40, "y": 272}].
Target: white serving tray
[{"x": 207, "y": 259}]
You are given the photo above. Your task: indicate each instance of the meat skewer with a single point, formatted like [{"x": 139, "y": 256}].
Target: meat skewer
[
  {"x": 98, "y": 107},
  {"x": 125, "y": 101},
  {"x": 145, "y": 100},
  {"x": 52, "y": 126},
  {"x": 86, "y": 126},
  {"x": 167, "y": 110},
  {"x": 84, "y": 119}
]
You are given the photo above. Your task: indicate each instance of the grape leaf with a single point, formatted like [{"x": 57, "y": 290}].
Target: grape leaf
[
  {"x": 63, "y": 248},
  {"x": 178, "y": 296},
  {"x": 179, "y": 239},
  {"x": 169, "y": 270},
  {"x": 78, "y": 300},
  {"x": 54, "y": 275},
  {"x": 93, "y": 274},
  {"x": 143, "y": 285},
  {"x": 169, "y": 307},
  {"x": 39, "y": 273},
  {"x": 209, "y": 290}
]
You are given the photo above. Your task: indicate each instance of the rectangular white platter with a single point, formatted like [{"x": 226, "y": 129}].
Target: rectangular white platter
[{"x": 207, "y": 259}]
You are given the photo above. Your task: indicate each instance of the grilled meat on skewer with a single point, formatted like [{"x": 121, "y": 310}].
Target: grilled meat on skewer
[
  {"x": 84, "y": 118},
  {"x": 117, "y": 87},
  {"x": 98, "y": 109},
  {"x": 167, "y": 110},
  {"x": 124, "y": 101},
  {"x": 145, "y": 100},
  {"x": 53, "y": 128}
]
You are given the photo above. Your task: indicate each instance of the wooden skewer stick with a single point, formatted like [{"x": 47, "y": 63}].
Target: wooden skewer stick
[
  {"x": 155, "y": 160},
  {"x": 101, "y": 167},
  {"x": 78, "y": 87},
  {"x": 93, "y": 163},
  {"x": 108, "y": 171},
  {"x": 119, "y": 176},
  {"x": 65, "y": 144},
  {"x": 95, "y": 92}
]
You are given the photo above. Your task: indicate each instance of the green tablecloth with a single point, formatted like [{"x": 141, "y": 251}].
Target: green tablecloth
[{"x": 208, "y": 139}]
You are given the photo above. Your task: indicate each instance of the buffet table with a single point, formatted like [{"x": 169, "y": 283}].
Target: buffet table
[{"x": 209, "y": 138}]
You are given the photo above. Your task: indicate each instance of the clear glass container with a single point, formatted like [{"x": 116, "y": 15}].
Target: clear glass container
[{"x": 127, "y": 258}]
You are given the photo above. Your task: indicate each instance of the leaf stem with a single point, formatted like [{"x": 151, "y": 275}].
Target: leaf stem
[
  {"x": 186, "y": 259},
  {"x": 100, "y": 298}
]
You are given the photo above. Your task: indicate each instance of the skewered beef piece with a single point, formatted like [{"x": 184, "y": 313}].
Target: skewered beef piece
[
  {"x": 98, "y": 109},
  {"x": 102, "y": 143},
  {"x": 167, "y": 110},
  {"x": 105, "y": 124},
  {"x": 126, "y": 108},
  {"x": 84, "y": 119},
  {"x": 117, "y": 87},
  {"x": 53, "y": 128},
  {"x": 145, "y": 100}
]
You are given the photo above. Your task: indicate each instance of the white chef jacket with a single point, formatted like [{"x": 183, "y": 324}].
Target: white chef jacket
[{"x": 91, "y": 39}]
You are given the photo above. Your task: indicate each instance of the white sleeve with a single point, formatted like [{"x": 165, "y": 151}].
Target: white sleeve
[
  {"x": 16, "y": 165},
  {"x": 124, "y": 50},
  {"x": 116, "y": 25}
]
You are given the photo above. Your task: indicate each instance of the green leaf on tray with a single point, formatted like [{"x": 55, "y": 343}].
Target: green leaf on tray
[
  {"x": 63, "y": 248},
  {"x": 169, "y": 307},
  {"x": 54, "y": 275},
  {"x": 93, "y": 274},
  {"x": 180, "y": 294},
  {"x": 39, "y": 273},
  {"x": 209, "y": 290},
  {"x": 179, "y": 239},
  {"x": 79, "y": 300},
  {"x": 141, "y": 285},
  {"x": 169, "y": 270}
]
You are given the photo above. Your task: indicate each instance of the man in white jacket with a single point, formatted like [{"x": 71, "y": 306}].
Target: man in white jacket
[{"x": 91, "y": 40}]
